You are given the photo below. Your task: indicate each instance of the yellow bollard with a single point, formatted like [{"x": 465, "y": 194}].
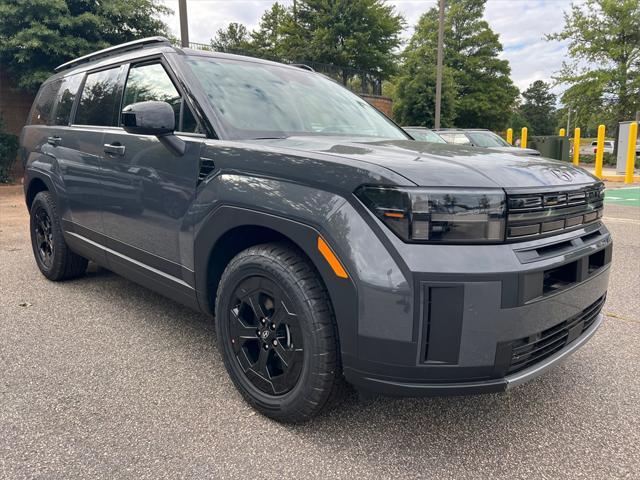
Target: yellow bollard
[
  {"x": 523, "y": 137},
  {"x": 510, "y": 136},
  {"x": 576, "y": 146},
  {"x": 562, "y": 133},
  {"x": 631, "y": 152},
  {"x": 599, "y": 151}
]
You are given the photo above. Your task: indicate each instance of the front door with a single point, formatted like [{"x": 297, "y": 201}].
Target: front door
[{"x": 148, "y": 189}]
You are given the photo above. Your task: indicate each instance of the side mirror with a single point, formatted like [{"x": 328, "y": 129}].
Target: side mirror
[
  {"x": 149, "y": 118},
  {"x": 153, "y": 118}
]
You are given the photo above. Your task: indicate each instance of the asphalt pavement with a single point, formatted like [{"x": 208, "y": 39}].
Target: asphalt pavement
[{"x": 102, "y": 378}]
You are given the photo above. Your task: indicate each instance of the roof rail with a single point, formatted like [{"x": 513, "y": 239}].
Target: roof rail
[
  {"x": 123, "y": 47},
  {"x": 303, "y": 66}
]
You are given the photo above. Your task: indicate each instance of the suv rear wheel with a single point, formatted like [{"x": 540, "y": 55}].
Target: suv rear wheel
[
  {"x": 54, "y": 258},
  {"x": 277, "y": 333}
]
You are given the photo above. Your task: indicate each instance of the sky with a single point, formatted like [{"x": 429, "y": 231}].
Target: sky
[{"x": 521, "y": 25}]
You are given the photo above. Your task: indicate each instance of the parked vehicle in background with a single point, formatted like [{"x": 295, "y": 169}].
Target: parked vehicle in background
[
  {"x": 330, "y": 246},
  {"x": 608, "y": 146},
  {"x": 424, "y": 134},
  {"x": 477, "y": 137}
]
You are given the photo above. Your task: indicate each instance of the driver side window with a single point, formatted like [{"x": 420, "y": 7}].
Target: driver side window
[{"x": 151, "y": 82}]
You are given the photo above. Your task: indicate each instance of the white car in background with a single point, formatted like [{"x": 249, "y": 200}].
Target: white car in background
[{"x": 608, "y": 146}]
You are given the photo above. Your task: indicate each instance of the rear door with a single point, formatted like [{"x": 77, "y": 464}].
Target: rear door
[
  {"x": 80, "y": 138},
  {"x": 148, "y": 190}
]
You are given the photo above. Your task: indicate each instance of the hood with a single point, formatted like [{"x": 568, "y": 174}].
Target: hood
[
  {"x": 522, "y": 152},
  {"x": 435, "y": 164}
]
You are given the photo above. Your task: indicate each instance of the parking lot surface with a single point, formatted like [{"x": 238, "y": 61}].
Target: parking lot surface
[{"x": 101, "y": 378}]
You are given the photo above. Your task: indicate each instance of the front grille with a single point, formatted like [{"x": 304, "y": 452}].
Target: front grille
[
  {"x": 535, "y": 348},
  {"x": 531, "y": 215}
]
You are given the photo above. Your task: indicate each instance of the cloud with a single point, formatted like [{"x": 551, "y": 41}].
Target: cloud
[{"x": 521, "y": 25}]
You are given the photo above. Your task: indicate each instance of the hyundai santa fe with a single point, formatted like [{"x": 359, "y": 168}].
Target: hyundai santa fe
[{"x": 330, "y": 247}]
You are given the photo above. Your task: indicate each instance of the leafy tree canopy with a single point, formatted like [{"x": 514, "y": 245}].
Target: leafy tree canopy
[
  {"x": 477, "y": 90},
  {"x": 359, "y": 34},
  {"x": 603, "y": 72},
  {"x": 233, "y": 38},
  {"x": 538, "y": 108},
  {"x": 38, "y": 35}
]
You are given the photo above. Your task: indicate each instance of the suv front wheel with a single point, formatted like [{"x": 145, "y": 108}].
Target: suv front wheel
[
  {"x": 54, "y": 258},
  {"x": 277, "y": 334}
]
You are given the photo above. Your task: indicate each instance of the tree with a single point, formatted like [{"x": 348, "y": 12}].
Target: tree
[
  {"x": 38, "y": 35},
  {"x": 269, "y": 38},
  {"x": 480, "y": 90},
  {"x": 233, "y": 38},
  {"x": 603, "y": 73},
  {"x": 539, "y": 108},
  {"x": 359, "y": 34},
  {"x": 414, "y": 91}
]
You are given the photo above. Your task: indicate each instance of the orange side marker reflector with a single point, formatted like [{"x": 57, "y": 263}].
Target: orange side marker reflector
[
  {"x": 394, "y": 214},
  {"x": 331, "y": 259}
]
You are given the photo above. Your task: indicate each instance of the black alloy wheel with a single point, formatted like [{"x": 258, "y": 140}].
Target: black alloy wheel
[
  {"x": 44, "y": 237},
  {"x": 265, "y": 335}
]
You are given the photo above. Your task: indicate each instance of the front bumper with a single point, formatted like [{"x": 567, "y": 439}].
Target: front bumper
[{"x": 445, "y": 319}]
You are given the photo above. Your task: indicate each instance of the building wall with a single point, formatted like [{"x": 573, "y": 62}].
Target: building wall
[
  {"x": 384, "y": 104},
  {"x": 14, "y": 105}
]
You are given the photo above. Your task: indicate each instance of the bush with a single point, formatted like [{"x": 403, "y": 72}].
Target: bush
[
  {"x": 8, "y": 151},
  {"x": 607, "y": 159}
]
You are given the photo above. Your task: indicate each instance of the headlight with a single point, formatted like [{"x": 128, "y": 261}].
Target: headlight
[{"x": 439, "y": 215}]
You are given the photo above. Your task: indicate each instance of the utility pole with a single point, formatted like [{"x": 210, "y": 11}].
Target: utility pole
[
  {"x": 439, "y": 64},
  {"x": 568, "y": 121},
  {"x": 184, "y": 24}
]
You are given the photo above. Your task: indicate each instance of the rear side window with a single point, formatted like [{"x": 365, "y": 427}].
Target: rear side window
[
  {"x": 66, "y": 97},
  {"x": 151, "y": 82},
  {"x": 43, "y": 105},
  {"x": 100, "y": 99}
]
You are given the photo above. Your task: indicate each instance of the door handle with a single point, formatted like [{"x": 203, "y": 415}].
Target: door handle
[
  {"x": 114, "y": 149},
  {"x": 54, "y": 140}
]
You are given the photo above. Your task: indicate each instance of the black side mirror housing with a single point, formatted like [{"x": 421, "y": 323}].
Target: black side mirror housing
[{"x": 153, "y": 118}]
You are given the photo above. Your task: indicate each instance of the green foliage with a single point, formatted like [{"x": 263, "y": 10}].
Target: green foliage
[
  {"x": 233, "y": 38},
  {"x": 269, "y": 38},
  {"x": 358, "y": 34},
  {"x": 477, "y": 90},
  {"x": 603, "y": 73},
  {"x": 538, "y": 108},
  {"x": 38, "y": 35},
  {"x": 8, "y": 151}
]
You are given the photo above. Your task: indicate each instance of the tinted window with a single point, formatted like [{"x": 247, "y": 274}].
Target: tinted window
[
  {"x": 99, "y": 101},
  {"x": 66, "y": 97},
  {"x": 43, "y": 105},
  {"x": 151, "y": 82}
]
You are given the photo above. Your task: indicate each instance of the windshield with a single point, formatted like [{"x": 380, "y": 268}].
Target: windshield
[
  {"x": 425, "y": 135},
  {"x": 258, "y": 100},
  {"x": 487, "y": 139}
]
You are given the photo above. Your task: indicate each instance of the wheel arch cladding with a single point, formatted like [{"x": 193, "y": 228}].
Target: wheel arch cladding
[
  {"x": 36, "y": 185},
  {"x": 232, "y": 229}
]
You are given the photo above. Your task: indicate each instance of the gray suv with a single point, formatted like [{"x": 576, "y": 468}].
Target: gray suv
[{"x": 331, "y": 248}]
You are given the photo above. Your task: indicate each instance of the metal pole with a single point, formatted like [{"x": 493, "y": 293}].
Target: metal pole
[
  {"x": 439, "y": 65},
  {"x": 184, "y": 24},
  {"x": 569, "y": 119}
]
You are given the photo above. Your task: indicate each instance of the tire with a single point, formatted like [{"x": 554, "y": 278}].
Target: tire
[
  {"x": 53, "y": 257},
  {"x": 297, "y": 385}
]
